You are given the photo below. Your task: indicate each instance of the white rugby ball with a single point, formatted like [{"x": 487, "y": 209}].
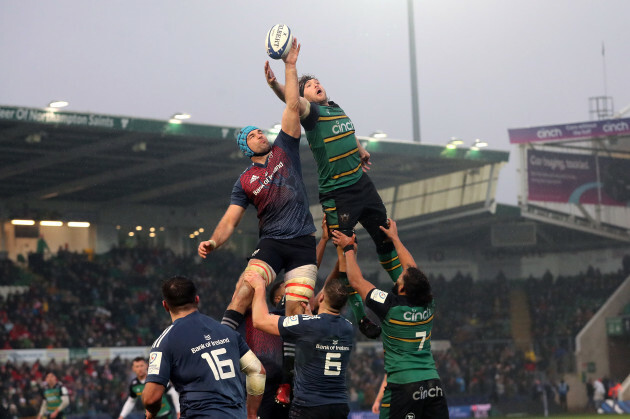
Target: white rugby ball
[{"x": 278, "y": 41}]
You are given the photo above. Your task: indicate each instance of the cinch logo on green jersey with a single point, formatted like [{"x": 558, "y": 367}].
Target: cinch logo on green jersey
[
  {"x": 341, "y": 127},
  {"x": 412, "y": 316}
]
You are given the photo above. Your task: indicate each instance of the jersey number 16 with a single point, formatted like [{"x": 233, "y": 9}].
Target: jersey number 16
[{"x": 222, "y": 369}]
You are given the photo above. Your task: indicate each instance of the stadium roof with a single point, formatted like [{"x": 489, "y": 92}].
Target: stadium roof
[
  {"x": 81, "y": 162},
  {"x": 64, "y": 159}
]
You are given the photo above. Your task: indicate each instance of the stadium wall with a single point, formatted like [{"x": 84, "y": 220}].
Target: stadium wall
[{"x": 592, "y": 343}]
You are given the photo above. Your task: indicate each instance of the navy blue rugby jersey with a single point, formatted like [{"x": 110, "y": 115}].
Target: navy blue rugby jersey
[
  {"x": 277, "y": 190},
  {"x": 322, "y": 352},
  {"x": 200, "y": 356}
]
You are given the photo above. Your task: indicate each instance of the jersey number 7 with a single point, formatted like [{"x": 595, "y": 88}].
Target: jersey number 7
[{"x": 422, "y": 335}]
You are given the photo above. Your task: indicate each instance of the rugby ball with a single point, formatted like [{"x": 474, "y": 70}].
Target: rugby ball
[{"x": 278, "y": 41}]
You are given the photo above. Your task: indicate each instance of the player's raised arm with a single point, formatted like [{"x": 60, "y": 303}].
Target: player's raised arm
[
  {"x": 323, "y": 241},
  {"x": 278, "y": 88},
  {"x": 291, "y": 115},
  {"x": 404, "y": 255},
  {"x": 261, "y": 318},
  {"x": 223, "y": 231},
  {"x": 365, "y": 157},
  {"x": 355, "y": 277}
]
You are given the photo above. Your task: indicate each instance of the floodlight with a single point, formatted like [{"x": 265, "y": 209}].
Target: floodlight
[
  {"x": 81, "y": 224},
  {"x": 56, "y": 104},
  {"x": 51, "y": 223},
  {"x": 23, "y": 222},
  {"x": 378, "y": 134}
]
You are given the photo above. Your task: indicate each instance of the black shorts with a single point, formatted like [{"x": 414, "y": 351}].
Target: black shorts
[
  {"x": 325, "y": 411},
  {"x": 286, "y": 254},
  {"x": 422, "y": 399},
  {"x": 358, "y": 203}
]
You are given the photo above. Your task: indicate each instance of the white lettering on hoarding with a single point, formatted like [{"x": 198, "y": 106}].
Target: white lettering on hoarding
[
  {"x": 616, "y": 127},
  {"x": 24, "y": 114},
  {"x": 549, "y": 133},
  {"x": 560, "y": 164}
]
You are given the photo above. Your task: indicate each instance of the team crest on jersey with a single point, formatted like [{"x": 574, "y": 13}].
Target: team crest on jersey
[
  {"x": 410, "y": 415},
  {"x": 379, "y": 296},
  {"x": 254, "y": 179},
  {"x": 290, "y": 321},
  {"x": 344, "y": 218},
  {"x": 155, "y": 360}
]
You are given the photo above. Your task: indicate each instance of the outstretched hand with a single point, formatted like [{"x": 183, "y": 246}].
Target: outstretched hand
[
  {"x": 341, "y": 239},
  {"x": 365, "y": 159},
  {"x": 292, "y": 56},
  {"x": 325, "y": 231},
  {"x": 206, "y": 247},
  {"x": 269, "y": 75},
  {"x": 391, "y": 231}
]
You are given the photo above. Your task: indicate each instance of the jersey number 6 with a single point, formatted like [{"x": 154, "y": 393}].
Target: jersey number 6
[{"x": 332, "y": 367}]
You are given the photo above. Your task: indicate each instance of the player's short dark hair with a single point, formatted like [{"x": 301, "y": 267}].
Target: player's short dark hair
[
  {"x": 303, "y": 80},
  {"x": 335, "y": 293},
  {"x": 272, "y": 291},
  {"x": 417, "y": 287},
  {"x": 138, "y": 359},
  {"x": 179, "y": 291}
]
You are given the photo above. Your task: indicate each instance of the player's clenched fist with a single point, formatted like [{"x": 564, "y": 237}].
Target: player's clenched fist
[
  {"x": 254, "y": 279},
  {"x": 206, "y": 247}
]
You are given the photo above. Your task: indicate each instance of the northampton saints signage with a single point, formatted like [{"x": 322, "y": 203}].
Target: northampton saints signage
[
  {"x": 63, "y": 118},
  {"x": 121, "y": 123}
]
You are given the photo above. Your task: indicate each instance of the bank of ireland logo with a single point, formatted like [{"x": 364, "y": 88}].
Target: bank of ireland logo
[{"x": 207, "y": 337}]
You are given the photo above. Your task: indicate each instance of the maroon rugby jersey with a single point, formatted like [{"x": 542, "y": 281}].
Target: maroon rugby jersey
[{"x": 277, "y": 191}]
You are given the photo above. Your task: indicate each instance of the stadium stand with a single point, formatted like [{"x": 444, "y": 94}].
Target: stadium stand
[
  {"x": 511, "y": 334},
  {"x": 483, "y": 364}
]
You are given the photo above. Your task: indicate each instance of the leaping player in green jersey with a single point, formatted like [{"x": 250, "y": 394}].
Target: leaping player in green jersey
[
  {"x": 413, "y": 384},
  {"x": 346, "y": 193}
]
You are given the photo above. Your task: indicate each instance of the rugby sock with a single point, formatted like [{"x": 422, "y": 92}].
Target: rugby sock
[
  {"x": 288, "y": 361},
  {"x": 354, "y": 299},
  {"x": 232, "y": 318},
  {"x": 391, "y": 264}
]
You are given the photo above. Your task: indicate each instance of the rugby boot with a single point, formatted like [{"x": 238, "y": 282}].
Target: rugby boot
[{"x": 283, "y": 395}]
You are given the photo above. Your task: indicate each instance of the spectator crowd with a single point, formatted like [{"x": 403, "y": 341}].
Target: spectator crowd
[{"x": 78, "y": 300}]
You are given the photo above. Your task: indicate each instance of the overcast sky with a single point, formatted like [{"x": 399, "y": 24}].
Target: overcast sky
[{"x": 483, "y": 65}]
